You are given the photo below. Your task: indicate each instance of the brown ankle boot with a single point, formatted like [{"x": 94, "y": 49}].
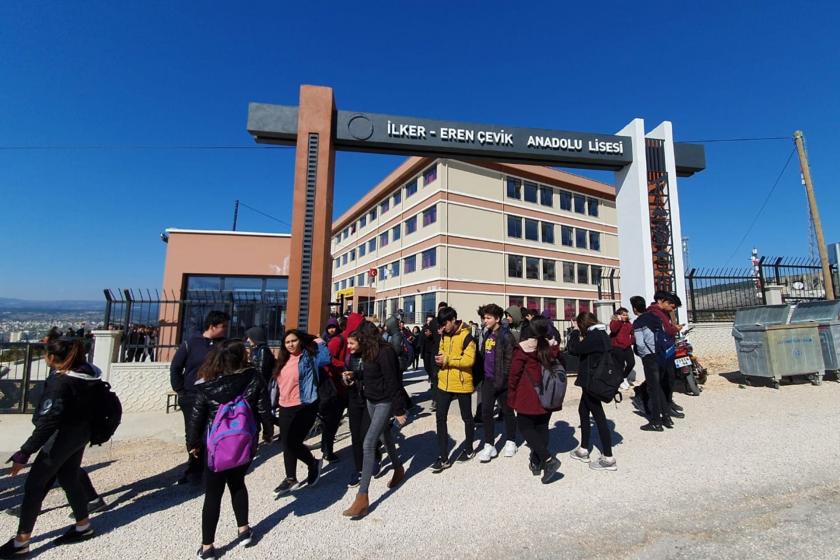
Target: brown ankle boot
[
  {"x": 397, "y": 477},
  {"x": 358, "y": 508}
]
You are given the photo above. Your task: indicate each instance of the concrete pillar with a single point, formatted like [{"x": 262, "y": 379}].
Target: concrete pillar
[
  {"x": 604, "y": 311},
  {"x": 773, "y": 293},
  {"x": 106, "y": 346}
]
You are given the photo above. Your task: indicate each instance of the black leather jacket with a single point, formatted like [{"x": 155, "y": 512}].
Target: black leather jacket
[{"x": 225, "y": 388}]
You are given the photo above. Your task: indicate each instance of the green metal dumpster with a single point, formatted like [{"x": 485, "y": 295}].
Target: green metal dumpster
[
  {"x": 827, "y": 316},
  {"x": 768, "y": 346}
]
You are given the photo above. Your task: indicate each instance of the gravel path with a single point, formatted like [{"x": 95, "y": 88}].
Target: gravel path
[{"x": 750, "y": 473}]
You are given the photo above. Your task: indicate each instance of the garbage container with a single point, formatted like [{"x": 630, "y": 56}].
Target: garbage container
[
  {"x": 768, "y": 346},
  {"x": 827, "y": 316}
]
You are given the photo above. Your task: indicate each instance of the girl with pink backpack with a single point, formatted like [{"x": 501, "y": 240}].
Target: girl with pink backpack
[{"x": 232, "y": 399}]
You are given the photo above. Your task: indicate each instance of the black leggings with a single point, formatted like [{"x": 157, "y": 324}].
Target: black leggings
[
  {"x": 295, "y": 423},
  {"x": 444, "y": 399},
  {"x": 195, "y": 465},
  {"x": 331, "y": 412},
  {"x": 592, "y": 405},
  {"x": 653, "y": 390},
  {"x": 60, "y": 459},
  {"x": 489, "y": 396},
  {"x": 215, "y": 483},
  {"x": 359, "y": 419},
  {"x": 625, "y": 359},
  {"x": 534, "y": 428}
]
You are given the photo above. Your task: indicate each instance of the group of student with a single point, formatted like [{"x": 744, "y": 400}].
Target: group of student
[{"x": 358, "y": 369}]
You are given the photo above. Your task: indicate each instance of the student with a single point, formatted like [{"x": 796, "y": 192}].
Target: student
[
  {"x": 353, "y": 378},
  {"x": 640, "y": 394},
  {"x": 430, "y": 346},
  {"x": 621, "y": 337},
  {"x": 529, "y": 357},
  {"x": 495, "y": 356},
  {"x": 333, "y": 404},
  {"x": 261, "y": 357},
  {"x": 331, "y": 330},
  {"x": 513, "y": 315},
  {"x": 418, "y": 343},
  {"x": 591, "y": 344},
  {"x": 455, "y": 359},
  {"x": 62, "y": 432},
  {"x": 182, "y": 375},
  {"x": 294, "y": 391},
  {"x": 382, "y": 386},
  {"x": 224, "y": 376}
]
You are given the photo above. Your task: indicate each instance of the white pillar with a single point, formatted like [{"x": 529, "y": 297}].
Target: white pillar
[
  {"x": 665, "y": 133},
  {"x": 634, "y": 248},
  {"x": 106, "y": 345}
]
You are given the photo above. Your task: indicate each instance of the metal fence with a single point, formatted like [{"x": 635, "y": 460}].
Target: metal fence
[
  {"x": 609, "y": 287},
  {"x": 715, "y": 294},
  {"x": 154, "y": 323},
  {"x": 23, "y": 370}
]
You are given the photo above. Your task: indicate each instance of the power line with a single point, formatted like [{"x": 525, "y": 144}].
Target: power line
[
  {"x": 763, "y": 205},
  {"x": 58, "y": 147},
  {"x": 264, "y": 214},
  {"x": 758, "y": 139}
]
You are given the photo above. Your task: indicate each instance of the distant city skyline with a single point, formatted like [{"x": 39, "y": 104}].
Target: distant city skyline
[{"x": 104, "y": 107}]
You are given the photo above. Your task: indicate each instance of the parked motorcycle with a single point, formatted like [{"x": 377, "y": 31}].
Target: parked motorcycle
[{"x": 688, "y": 367}]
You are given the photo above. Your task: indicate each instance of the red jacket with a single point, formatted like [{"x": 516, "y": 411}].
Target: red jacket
[
  {"x": 525, "y": 372},
  {"x": 338, "y": 352},
  {"x": 621, "y": 334},
  {"x": 669, "y": 327}
]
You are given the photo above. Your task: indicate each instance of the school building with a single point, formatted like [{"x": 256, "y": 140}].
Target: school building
[{"x": 471, "y": 233}]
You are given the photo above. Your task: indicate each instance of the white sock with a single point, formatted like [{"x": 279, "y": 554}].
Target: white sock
[
  {"x": 20, "y": 544},
  {"x": 83, "y": 528}
]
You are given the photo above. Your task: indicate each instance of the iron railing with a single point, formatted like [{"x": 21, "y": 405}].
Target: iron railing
[
  {"x": 609, "y": 287},
  {"x": 715, "y": 294},
  {"x": 154, "y": 323},
  {"x": 23, "y": 370}
]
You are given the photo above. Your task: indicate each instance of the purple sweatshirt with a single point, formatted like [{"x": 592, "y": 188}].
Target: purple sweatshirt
[{"x": 490, "y": 355}]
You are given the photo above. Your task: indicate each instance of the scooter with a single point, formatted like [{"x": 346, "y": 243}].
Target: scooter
[{"x": 688, "y": 367}]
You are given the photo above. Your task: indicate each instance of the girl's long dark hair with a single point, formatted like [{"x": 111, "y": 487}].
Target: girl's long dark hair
[
  {"x": 224, "y": 358},
  {"x": 585, "y": 320},
  {"x": 307, "y": 344},
  {"x": 540, "y": 328},
  {"x": 65, "y": 354},
  {"x": 370, "y": 341}
]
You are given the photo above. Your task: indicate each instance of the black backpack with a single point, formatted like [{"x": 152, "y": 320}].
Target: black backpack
[
  {"x": 551, "y": 389},
  {"x": 605, "y": 379},
  {"x": 107, "y": 414}
]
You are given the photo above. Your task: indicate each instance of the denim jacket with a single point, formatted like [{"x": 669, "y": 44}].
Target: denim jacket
[{"x": 309, "y": 368}]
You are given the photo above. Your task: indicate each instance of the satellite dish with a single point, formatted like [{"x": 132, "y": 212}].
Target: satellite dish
[{"x": 798, "y": 285}]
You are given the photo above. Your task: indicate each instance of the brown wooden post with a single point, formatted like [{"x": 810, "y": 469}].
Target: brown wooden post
[{"x": 310, "y": 273}]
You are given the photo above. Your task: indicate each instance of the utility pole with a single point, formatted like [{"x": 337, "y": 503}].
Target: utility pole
[
  {"x": 235, "y": 213},
  {"x": 799, "y": 139}
]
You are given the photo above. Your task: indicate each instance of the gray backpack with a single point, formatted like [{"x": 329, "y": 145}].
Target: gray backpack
[{"x": 551, "y": 389}]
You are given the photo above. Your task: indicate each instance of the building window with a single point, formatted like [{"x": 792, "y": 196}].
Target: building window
[
  {"x": 514, "y": 188},
  {"x": 550, "y": 306},
  {"x": 352, "y": 254},
  {"x": 514, "y": 266},
  {"x": 514, "y": 226},
  {"x": 345, "y": 233},
  {"x": 395, "y": 269},
  {"x": 583, "y": 306},
  {"x": 580, "y": 238},
  {"x": 430, "y": 215},
  {"x": 566, "y": 236},
  {"x": 532, "y": 268},
  {"x": 411, "y": 188},
  {"x": 344, "y": 258},
  {"x": 580, "y": 204},
  {"x": 596, "y": 274},
  {"x": 530, "y": 192},
  {"x": 362, "y": 222},
  {"x": 338, "y": 239},
  {"x": 546, "y": 196},
  {"x": 565, "y": 201},
  {"x": 583, "y": 273},
  {"x": 384, "y": 205},
  {"x": 337, "y": 263},
  {"x": 351, "y": 282},
  {"x": 372, "y": 214},
  {"x": 569, "y": 273},
  {"x": 409, "y": 308},
  {"x": 383, "y": 239},
  {"x": 428, "y": 303},
  {"x": 429, "y": 257},
  {"x": 372, "y": 245},
  {"x": 395, "y": 233},
  {"x": 335, "y": 287},
  {"x": 410, "y": 263},
  {"x": 548, "y": 270},
  {"x": 382, "y": 275},
  {"x": 592, "y": 206},
  {"x": 353, "y": 229},
  {"x": 532, "y": 230},
  {"x": 516, "y": 301},
  {"x": 360, "y": 279},
  {"x": 547, "y": 232},
  {"x": 595, "y": 240},
  {"x": 569, "y": 309},
  {"x": 411, "y": 225},
  {"x": 430, "y": 175},
  {"x": 362, "y": 250},
  {"x": 397, "y": 197}
]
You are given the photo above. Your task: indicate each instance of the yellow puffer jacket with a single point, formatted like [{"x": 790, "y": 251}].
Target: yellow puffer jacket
[{"x": 458, "y": 349}]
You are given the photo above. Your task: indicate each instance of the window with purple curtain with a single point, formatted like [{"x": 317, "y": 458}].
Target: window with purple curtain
[
  {"x": 430, "y": 215},
  {"x": 429, "y": 257},
  {"x": 430, "y": 175},
  {"x": 569, "y": 309},
  {"x": 383, "y": 239}
]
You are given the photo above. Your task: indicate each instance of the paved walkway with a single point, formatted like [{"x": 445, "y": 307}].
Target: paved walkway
[{"x": 750, "y": 473}]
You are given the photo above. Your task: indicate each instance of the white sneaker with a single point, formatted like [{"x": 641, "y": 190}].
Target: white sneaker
[
  {"x": 580, "y": 454},
  {"x": 510, "y": 448},
  {"x": 489, "y": 452},
  {"x": 624, "y": 385}
]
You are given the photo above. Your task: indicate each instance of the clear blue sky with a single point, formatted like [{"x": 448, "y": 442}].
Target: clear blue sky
[{"x": 182, "y": 73}]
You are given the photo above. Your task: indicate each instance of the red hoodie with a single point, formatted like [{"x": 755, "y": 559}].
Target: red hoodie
[
  {"x": 338, "y": 350},
  {"x": 669, "y": 327},
  {"x": 621, "y": 334}
]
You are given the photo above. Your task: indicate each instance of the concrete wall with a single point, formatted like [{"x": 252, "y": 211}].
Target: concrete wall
[
  {"x": 713, "y": 340},
  {"x": 141, "y": 386}
]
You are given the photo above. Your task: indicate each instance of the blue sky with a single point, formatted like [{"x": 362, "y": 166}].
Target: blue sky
[{"x": 114, "y": 74}]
